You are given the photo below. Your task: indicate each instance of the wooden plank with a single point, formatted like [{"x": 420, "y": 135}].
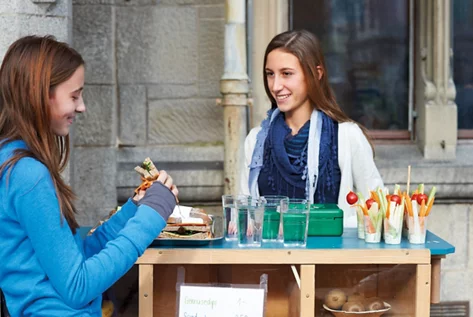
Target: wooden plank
[
  {"x": 145, "y": 290},
  {"x": 165, "y": 290},
  {"x": 307, "y": 292},
  {"x": 294, "y": 301},
  {"x": 435, "y": 280},
  {"x": 423, "y": 290},
  {"x": 274, "y": 256}
]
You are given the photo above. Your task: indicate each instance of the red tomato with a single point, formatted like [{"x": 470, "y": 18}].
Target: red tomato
[
  {"x": 421, "y": 197},
  {"x": 352, "y": 198},
  {"x": 414, "y": 197},
  {"x": 396, "y": 199},
  {"x": 369, "y": 202}
]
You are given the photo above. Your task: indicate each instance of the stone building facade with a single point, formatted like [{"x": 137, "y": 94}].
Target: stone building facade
[{"x": 152, "y": 77}]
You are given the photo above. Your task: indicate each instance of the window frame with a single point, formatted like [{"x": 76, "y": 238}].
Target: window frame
[{"x": 404, "y": 134}]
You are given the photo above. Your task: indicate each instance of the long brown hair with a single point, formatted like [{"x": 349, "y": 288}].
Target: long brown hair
[
  {"x": 306, "y": 47},
  {"x": 32, "y": 67}
]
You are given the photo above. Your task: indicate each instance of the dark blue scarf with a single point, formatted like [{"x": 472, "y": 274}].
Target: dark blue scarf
[{"x": 284, "y": 170}]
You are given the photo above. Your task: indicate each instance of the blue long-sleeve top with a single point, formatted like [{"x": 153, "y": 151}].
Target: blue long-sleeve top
[{"x": 45, "y": 270}]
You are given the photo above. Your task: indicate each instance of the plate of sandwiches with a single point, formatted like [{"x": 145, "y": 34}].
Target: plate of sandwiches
[
  {"x": 186, "y": 225},
  {"x": 189, "y": 226}
]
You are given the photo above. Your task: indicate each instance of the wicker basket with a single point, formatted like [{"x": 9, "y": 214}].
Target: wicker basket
[{"x": 373, "y": 313}]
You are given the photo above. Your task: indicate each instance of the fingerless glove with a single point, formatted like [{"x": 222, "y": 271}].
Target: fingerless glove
[{"x": 160, "y": 198}]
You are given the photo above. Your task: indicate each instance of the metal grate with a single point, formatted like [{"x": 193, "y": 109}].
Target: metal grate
[{"x": 450, "y": 309}]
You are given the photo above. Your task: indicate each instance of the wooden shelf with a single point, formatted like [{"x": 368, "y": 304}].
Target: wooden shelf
[{"x": 402, "y": 274}]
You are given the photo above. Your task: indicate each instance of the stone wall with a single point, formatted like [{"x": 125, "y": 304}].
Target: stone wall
[
  {"x": 24, "y": 17},
  {"x": 153, "y": 71},
  {"x": 453, "y": 222}
]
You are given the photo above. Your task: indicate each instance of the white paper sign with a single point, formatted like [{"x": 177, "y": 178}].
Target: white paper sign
[{"x": 208, "y": 301}]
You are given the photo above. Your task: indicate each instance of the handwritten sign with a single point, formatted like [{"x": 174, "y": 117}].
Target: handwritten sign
[{"x": 207, "y": 301}]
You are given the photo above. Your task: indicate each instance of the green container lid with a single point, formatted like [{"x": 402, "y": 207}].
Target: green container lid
[{"x": 325, "y": 211}]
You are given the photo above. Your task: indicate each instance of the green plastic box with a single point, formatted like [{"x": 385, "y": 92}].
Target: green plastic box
[{"x": 325, "y": 220}]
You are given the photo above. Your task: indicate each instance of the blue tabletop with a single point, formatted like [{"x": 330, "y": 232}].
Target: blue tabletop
[{"x": 349, "y": 240}]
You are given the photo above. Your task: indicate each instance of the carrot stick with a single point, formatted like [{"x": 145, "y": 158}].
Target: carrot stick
[
  {"x": 365, "y": 210},
  {"x": 387, "y": 210},
  {"x": 429, "y": 206},
  {"x": 422, "y": 209},
  {"x": 371, "y": 228},
  {"x": 145, "y": 184},
  {"x": 375, "y": 197}
]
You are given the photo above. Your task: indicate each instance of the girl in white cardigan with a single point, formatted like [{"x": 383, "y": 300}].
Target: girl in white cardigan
[{"x": 307, "y": 147}]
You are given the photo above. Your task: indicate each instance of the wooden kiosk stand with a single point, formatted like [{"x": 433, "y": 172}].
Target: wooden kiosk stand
[{"x": 406, "y": 276}]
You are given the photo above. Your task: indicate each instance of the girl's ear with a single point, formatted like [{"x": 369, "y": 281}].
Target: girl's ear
[
  {"x": 320, "y": 71},
  {"x": 51, "y": 94}
]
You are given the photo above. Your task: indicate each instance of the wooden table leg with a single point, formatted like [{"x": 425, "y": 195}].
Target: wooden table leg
[
  {"x": 422, "y": 290},
  {"x": 145, "y": 290},
  {"x": 307, "y": 299},
  {"x": 435, "y": 280}
]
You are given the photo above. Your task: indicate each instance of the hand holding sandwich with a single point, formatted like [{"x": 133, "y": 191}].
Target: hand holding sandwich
[
  {"x": 163, "y": 178},
  {"x": 161, "y": 196},
  {"x": 157, "y": 189}
]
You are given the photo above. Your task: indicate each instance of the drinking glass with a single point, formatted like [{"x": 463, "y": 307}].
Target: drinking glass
[
  {"x": 295, "y": 219},
  {"x": 230, "y": 216},
  {"x": 272, "y": 218},
  {"x": 250, "y": 221}
]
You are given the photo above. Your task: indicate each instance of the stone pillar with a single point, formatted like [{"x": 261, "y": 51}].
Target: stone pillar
[
  {"x": 436, "y": 128},
  {"x": 234, "y": 88},
  {"x": 270, "y": 18},
  {"x": 94, "y": 163}
]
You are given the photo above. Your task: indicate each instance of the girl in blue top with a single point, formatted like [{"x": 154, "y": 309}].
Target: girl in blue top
[{"x": 46, "y": 269}]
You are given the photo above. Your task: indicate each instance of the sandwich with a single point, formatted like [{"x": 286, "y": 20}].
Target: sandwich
[
  {"x": 196, "y": 225},
  {"x": 149, "y": 174}
]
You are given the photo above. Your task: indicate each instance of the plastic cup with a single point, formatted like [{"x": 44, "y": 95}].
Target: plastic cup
[
  {"x": 392, "y": 235},
  {"x": 250, "y": 221},
  {"x": 372, "y": 234},
  {"x": 417, "y": 229},
  {"x": 405, "y": 225},
  {"x": 360, "y": 222},
  {"x": 295, "y": 219},
  {"x": 230, "y": 216}
]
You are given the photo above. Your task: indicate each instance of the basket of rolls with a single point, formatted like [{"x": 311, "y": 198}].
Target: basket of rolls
[{"x": 340, "y": 304}]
